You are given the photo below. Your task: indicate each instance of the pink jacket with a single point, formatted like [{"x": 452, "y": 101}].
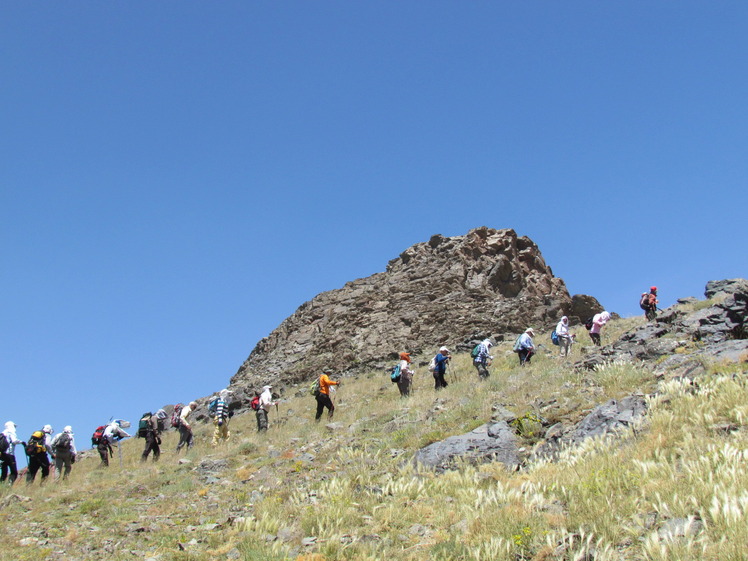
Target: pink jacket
[{"x": 598, "y": 321}]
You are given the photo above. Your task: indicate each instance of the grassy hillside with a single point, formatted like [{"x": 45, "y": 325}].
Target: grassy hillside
[{"x": 675, "y": 488}]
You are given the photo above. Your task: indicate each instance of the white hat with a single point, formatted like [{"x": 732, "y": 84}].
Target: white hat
[
  {"x": 529, "y": 330},
  {"x": 225, "y": 393},
  {"x": 68, "y": 429},
  {"x": 47, "y": 429},
  {"x": 267, "y": 387},
  {"x": 444, "y": 349}
]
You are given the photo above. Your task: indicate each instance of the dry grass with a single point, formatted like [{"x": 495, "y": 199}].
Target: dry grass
[{"x": 303, "y": 491}]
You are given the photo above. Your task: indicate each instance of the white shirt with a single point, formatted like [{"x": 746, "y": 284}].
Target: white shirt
[
  {"x": 12, "y": 438},
  {"x": 266, "y": 400}
]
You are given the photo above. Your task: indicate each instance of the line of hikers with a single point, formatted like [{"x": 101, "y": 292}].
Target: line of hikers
[
  {"x": 61, "y": 448},
  {"x": 402, "y": 373},
  {"x": 40, "y": 446}
]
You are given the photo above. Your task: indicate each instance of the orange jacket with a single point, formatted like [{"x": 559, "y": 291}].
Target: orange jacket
[{"x": 325, "y": 383}]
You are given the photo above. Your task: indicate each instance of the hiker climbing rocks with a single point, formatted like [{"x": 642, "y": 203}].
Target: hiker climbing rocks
[
  {"x": 526, "y": 348},
  {"x": 112, "y": 433},
  {"x": 648, "y": 303},
  {"x": 264, "y": 405},
  {"x": 440, "y": 362},
  {"x": 481, "y": 358},
  {"x": 323, "y": 395},
  {"x": 63, "y": 450},
  {"x": 8, "y": 452},
  {"x": 565, "y": 338},
  {"x": 598, "y": 321},
  {"x": 405, "y": 381},
  {"x": 185, "y": 430},
  {"x": 149, "y": 429},
  {"x": 221, "y": 417},
  {"x": 37, "y": 448}
]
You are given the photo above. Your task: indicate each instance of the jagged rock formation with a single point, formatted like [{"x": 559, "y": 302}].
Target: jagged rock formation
[
  {"x": 488, "y": 283},
  {"x": 718, "y": 329}
]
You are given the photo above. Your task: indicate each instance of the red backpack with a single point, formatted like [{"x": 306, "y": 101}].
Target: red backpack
[
  {"x": 255, "y": 403},
  {"x": 175, "y": 420},
  {"x": 98, "y": 435}
]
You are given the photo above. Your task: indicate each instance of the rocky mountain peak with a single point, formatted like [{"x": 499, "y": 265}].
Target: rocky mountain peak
[{"x": 446, "y": 291}]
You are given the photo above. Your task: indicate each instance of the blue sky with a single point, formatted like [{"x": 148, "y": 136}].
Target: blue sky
[{"x": 176, "y": 178}]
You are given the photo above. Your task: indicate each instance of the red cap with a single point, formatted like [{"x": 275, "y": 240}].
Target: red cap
[{"x": 653, "y": 289}]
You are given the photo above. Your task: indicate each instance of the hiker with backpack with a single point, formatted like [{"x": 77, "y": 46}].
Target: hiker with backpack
[
  {"x": 8, "y": 441},
  {"x": 113, "y": 432},
  {"x": 648, "y": 302},
  {"x": 565, "y": 338},
  {"x": 525, "y": 347},
  {"x": 148, "y": 429},
  {"x": 161, "y": 417},
  {"x": 186, "y": 437},
  {"x": 405, "y": 379},
  {"x": 438, "y": 366},
  {"x": 37, "y": 448},
  {"x": 598, "y": 321},
  {"x": 481, "y": 357},
  {"x": 264, "y": 404},
  {"x": 323, "y": 395},
  {"x": 219, "y": 409},
  {"x": 63, "y": 449}
]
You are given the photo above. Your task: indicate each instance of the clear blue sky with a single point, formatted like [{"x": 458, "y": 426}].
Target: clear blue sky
[{"x": 176, "y": 178}]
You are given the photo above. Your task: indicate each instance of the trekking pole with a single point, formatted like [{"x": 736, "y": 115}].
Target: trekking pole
[{"x": 119, "y": 449}]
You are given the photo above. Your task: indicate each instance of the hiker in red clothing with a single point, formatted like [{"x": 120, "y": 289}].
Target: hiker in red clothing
[{"x": 648, "y": 303}]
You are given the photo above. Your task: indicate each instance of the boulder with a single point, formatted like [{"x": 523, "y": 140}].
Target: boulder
[
  {"x": 604, "y": 419},
  {"x": 488, "y": 443}
]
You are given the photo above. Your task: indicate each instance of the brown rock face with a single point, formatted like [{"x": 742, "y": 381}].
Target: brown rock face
[{"x": 447, "y": 291}]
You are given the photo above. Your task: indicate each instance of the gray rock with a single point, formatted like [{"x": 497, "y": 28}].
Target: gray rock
[
  {"x": 611, "y": 416},
  {"x": 727, "y": 286},
  {"x": 680, "y": 528},
  {"x": 501, "y": 413},
  {"x": 211, "y": 467},
  {"x": 487, "y": 443}
]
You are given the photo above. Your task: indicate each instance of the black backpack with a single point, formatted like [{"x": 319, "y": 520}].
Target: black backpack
[
  {"x": 4, "y": 444},
  {"x": 63, "y": 441},
  {"x": 588, "y": 323}
]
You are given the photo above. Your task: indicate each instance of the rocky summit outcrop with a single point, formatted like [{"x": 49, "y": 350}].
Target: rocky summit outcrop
[
  {"x": 447, "y": 291},
  {"x": 716, "y": 328}
]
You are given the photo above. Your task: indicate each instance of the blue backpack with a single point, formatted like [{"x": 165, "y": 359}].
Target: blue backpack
[
  {"x": 554, "y": 337},
  {"x": 395, "y": 373}
]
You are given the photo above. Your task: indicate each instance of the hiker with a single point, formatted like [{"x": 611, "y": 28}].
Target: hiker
[
  {"x": 152, "y": 434},
  {"x": 221, "y": 417},
  {"x": 263, "y": 406},
  {"x": 161, "y": 417},
  {"x": 323, "y": 396},
  {"x": 405, "y": 381},
  {"x": 39, "y": 445},
  {"x": 112, "y": 433},
  {"x": 526, "y": 346},
  {"x": 598, "y": 321},
  {"x": 648, "y": 303},
  {"x": 8, "y": 455},
  {"x": 481, "y": 359},
  {"x": 63, "y": 450},
  {"x": 185, "y": 430},
  {"x": 565, "y": 338},
  {"x": 441, "y": 360}
]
